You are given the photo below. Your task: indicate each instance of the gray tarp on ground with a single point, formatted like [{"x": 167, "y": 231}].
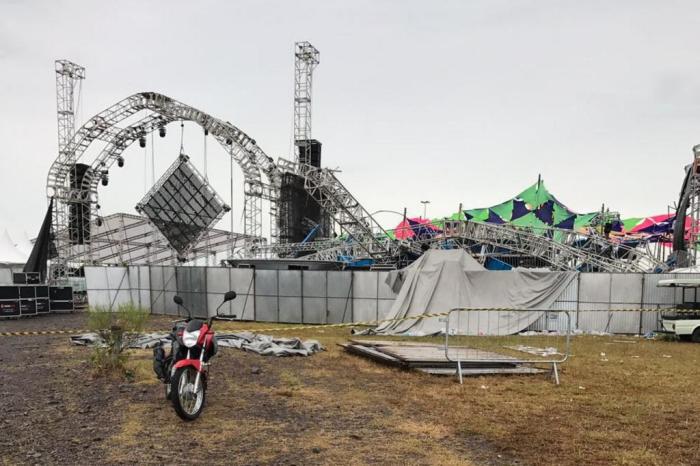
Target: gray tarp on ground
[
  {"x": 441, "y": 280},
  {"x": 265, "y": 345}
]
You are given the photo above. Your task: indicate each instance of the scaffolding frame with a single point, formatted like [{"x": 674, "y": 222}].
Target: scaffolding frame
[
  {"x": 306, "y": 58},
  {"x": 159, "y": 111}
]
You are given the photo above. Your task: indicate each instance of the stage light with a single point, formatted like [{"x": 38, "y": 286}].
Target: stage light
[
  {"x": 105, "y": 178},
  {"x": 120, "y": 161},
  {"x": 142, "y": 141},
  {"x": 206, "y": 132},
  {"x": 161, "y": 131}
]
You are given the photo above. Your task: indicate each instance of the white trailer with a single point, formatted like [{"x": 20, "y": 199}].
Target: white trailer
[{"x": 685, "y": 323}]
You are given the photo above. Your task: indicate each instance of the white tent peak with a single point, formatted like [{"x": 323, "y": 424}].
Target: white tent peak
[{"x": 9, "y": 253}]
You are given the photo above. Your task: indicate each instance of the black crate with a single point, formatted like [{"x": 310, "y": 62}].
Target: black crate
[
  {"x": 61, "y": 293},
  {"x": 27, "y": 291},
  {"x": 61, "y": 305},
  {"x": 27, "y": 307},
  {"x": 26, "y": 278},
  {"x": 42, "y": 291},
  {"x": 9, "y": 292},
  {"x": 42, "y": 305},
  {"x": 9, "y": 308}
]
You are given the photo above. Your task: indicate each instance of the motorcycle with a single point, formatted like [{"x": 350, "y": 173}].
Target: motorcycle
[{"x": 184, "y": 370}]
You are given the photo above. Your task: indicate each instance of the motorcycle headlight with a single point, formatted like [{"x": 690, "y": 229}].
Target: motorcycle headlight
[{"x": 190, "y": 338}]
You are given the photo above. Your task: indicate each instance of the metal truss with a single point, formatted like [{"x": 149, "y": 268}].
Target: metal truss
[
  {"x": 353, "y": 219},
  {"x": 306, "y": 58},
  {"x": 561, "y": 249},
  {"x": 692, "y": 192},
  {"x": 159, "y": 111},
  {"x": 126, "y": 238},
  {"x": 68, "y": 77}
]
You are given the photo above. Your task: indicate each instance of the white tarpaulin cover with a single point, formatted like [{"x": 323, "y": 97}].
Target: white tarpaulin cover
[
  {"x": 441, "y": 280},
  {"x": 265, "y": 345}
]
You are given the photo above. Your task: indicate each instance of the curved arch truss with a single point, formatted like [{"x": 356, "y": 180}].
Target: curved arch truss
[{"x": 151, "y": 112}]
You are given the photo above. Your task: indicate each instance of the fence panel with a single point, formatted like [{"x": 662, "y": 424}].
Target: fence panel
[
  {"x": 340, "y": 301},
  {"x": 344, "y": 296},
  {"x": 266, "y": 296},
  {"x": 290, "y": 301},
  {"x": 553, "y": 321},
  {"x": 365, "y": 285},
  {"x": 244, "y": 284}
]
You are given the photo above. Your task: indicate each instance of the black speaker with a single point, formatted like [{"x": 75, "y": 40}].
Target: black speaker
[
  {"x": 309, "y": 151},
  {"x": 79, "y": 211},
  {"x": 298, "y": 210}
]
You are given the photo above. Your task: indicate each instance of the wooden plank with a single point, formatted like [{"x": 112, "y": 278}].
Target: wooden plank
[
  {"x": 437, "y": 354},
  {"x": 374, "y": 354},
  {"x": 388, "y": 343},
  {"x": 522, "y": 370}
]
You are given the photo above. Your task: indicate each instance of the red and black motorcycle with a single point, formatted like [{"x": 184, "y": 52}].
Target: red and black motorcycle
[{"x": 184, "y": 370}]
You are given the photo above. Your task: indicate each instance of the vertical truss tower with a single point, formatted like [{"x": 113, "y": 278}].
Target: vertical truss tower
[
  {"x": 306, "y": 59},
  {"x": 69, "y": 77},
  {"x": 693, "y": 190}
]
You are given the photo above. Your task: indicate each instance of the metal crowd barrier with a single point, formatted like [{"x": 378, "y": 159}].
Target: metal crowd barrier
[{"x": 485, "y": 340}]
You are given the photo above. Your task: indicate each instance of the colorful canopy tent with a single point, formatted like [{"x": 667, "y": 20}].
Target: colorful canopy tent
[
  {"x": 535, "y": 207},
  {"x": 416, "y": 228},
  {"x": 656, "y": 224},
  {"x": 657, "y": 228}
]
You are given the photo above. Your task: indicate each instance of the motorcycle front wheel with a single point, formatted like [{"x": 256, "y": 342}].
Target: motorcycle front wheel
[{"x": 187, "y": 402}]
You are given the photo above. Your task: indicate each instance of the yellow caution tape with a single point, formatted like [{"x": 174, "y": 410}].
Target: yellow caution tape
[
  {"x": 365, "y": 323},
  {"x": 41, "y": 332}
]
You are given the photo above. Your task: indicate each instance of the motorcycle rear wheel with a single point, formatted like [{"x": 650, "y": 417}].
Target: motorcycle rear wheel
[{"x": 188, "y": 404}]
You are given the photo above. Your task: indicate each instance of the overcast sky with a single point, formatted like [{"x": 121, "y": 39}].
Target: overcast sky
[{"x": 464, "y": 101}]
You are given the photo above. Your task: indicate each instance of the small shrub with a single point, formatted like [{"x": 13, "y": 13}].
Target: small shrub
[
  {"x": 117, "y": 329},
  {"x": 291, "y": 383},
  {"x": 666, "y": 337}
]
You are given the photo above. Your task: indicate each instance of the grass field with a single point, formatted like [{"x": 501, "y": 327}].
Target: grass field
[
  {"x": 622, "y": 400},
  {"x": 638, "y": 404}
]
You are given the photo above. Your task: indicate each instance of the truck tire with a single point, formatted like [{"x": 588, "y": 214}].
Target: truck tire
[{"x": 696, "y": 335}]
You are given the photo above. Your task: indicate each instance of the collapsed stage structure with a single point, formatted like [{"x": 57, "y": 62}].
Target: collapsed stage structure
[{"x": 313, "y": 217}]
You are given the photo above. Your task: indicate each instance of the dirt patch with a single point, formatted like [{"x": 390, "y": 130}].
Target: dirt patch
[{"x": 335, "y": 408}]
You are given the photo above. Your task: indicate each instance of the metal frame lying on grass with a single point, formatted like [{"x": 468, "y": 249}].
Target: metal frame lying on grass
[{"x": 462, "y": 355}]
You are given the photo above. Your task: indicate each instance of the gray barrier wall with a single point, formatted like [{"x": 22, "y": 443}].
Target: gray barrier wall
[
  {"x": 318, "y": 297},
  {"x": 292, "y": 296}
]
